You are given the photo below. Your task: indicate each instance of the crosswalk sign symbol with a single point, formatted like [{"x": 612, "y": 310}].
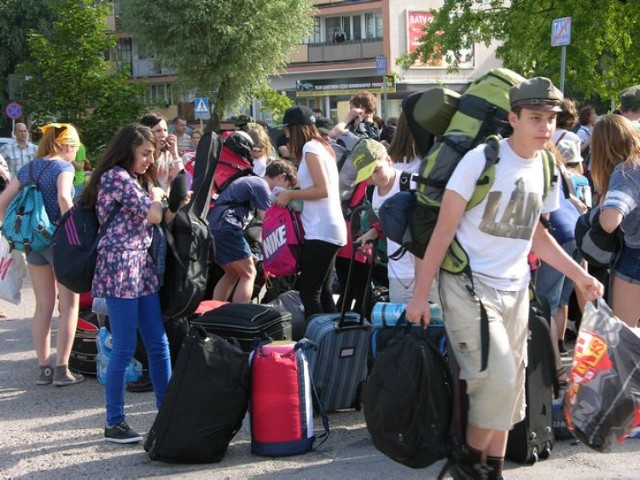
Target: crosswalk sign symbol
[{"x": 202, "y": 105}]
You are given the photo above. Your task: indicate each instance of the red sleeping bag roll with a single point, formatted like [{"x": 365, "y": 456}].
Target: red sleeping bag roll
[{"x": 281, "y": 401}]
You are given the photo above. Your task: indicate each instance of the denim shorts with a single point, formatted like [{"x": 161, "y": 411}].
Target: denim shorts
[
  {"x": 41, "y": 257},
  {"x": 230, "y": 245},
  {"x": 628, "y": 265}
]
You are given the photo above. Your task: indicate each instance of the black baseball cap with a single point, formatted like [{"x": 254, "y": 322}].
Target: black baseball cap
[{"x": 298, "y": 115}]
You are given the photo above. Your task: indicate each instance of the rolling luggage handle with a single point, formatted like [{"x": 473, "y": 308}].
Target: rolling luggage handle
[{"x": 344, "y": 322}]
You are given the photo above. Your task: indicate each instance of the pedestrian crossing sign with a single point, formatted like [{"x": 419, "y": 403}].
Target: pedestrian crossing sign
[{"x": 201, "y": 105}]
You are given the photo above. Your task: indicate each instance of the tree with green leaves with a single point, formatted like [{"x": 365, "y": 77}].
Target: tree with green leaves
[
  {"x": 69, "y": 79},
  {"x": 16, "y": 18},
  {"x": 601, "y": 60},
  {"x": 224, "y": 49}
]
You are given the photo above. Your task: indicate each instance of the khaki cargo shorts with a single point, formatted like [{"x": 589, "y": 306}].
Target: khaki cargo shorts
[{"x": 496, "y": 395}]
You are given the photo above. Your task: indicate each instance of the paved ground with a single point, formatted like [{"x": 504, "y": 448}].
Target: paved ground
[{"x": 49, "y": 432}]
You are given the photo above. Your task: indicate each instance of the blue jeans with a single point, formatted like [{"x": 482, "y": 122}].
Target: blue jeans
[
  {"x": 127, "y": 316},
  {"x": 552, "y": 284}
]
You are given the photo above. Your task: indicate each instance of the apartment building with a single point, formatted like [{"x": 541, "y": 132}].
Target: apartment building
[{"x": 354, "y": 46}]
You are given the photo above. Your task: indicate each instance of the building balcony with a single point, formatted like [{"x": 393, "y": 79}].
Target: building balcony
[{"x": 337, "y": 52}]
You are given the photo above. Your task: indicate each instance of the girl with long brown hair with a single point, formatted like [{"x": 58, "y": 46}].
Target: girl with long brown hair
[
  {"x": 615, "y": 155},
  {"x": 324, "y": 226}
]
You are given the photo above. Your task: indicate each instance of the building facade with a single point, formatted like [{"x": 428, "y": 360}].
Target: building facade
[
  {"x": 356, "y": 43},
  {"x": 354, "y": 46}
]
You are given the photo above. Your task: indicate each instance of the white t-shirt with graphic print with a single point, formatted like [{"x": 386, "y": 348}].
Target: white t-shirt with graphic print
[{"x": 497, "y": 233}]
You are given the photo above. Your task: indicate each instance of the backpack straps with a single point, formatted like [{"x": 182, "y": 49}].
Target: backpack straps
[
  {"x": 36, "y": 182},
  {"x": 550, "y": 172}
]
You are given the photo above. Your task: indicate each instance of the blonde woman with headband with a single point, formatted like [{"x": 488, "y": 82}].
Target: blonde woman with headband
[{"x": 52, "y": 165}]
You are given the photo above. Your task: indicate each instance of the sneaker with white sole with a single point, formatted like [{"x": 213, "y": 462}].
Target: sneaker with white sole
[
  {"x": 121, "y": 433},
  {"x": 63, "y": 376}
]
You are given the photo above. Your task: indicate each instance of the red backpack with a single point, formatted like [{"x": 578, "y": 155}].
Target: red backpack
[
  {"x": 235, "y": 161},
  {"x": 282, "y": 239}
]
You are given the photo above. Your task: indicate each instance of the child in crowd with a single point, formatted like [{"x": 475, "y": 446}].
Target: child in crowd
[
  {"x": 227, "y": 220},
  {"x": 324, "y": 228},
  {"x": 124, "y": 186},
  {"x": 54, "y": 173},
  {"x": 615, "y": 156},
  {"x": 374, "y": 165},
  {"x": 497, "y": 243}
]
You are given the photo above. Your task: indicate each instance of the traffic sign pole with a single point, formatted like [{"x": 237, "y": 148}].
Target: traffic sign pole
[
  {"x": 561, "y": 37},
  {"x": 563, "y": 62}
]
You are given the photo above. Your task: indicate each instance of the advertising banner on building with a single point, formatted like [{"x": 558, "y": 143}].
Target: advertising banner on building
[
  {"x": 341, "y": 86},
  {"x": 416, "y": 22}
]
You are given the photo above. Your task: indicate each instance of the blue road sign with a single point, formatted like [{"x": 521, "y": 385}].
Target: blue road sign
[
  {"x": 201, "y": 108},
  {"x": 561, "y": 32},
  {"x": 381, "y": 65},
  {"x": 13, "y": 110}
]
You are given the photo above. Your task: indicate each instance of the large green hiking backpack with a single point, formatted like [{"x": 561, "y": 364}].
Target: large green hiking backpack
[{"x": 480, "y": 112}]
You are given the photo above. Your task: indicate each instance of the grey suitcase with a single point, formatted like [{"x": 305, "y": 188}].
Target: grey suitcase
[{"x": 339, "y": 364}]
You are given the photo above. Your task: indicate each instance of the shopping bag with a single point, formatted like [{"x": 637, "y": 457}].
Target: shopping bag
[
  {"x": 602, "y": 403},
  {"x": 13, "y": 269}
]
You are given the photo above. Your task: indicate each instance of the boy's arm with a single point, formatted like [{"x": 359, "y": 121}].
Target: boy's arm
[
  {"x": 551, "y": 253},
  {"x": 451, "y": 211}
]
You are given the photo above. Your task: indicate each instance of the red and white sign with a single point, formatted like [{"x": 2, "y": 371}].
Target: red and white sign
[{"x": 416, "y": 23}]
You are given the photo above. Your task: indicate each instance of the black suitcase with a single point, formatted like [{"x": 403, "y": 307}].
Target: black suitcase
[
  {"x": 84, "y": 351},
  {"x": 533, "y": 438},
  {"x": 205, "y": 403},
  {"x": 246, "y": 322}
]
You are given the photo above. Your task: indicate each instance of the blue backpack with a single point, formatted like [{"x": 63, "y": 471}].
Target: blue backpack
[{"x": 26, "y": 225}]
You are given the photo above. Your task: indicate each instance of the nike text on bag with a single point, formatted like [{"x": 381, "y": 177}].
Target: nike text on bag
[
  {"x": 26, "y": 225},
  {"x": 282, "y": 239}
]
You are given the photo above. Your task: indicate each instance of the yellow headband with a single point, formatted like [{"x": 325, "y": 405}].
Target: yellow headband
[{"x": 68, "y": 135}]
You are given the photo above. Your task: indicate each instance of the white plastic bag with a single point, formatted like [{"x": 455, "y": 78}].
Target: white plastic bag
[{"x": 13, "y": 269}]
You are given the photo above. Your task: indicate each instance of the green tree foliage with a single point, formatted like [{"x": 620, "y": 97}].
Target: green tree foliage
[
  {"x": 68, "y": 78},
  {"x": 16, "y": 18},
  {"x": 601, "y": 60},
  {"x": 224, "y": 46}
]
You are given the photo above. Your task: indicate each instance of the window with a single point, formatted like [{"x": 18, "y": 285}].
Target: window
[
  {"x": 159, "y": 94},
  {"x": 367, "y": 26},
  {"x": 373, "y": 25},
  {"x": 316, "y": 35}
]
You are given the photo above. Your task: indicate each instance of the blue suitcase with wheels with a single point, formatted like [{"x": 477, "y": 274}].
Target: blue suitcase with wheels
[{"x": 339, "y": 365}]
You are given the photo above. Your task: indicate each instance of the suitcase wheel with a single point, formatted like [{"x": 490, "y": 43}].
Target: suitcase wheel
[
  {"x": 534, "y": 456},
  {"x": 546, "y": 453}
]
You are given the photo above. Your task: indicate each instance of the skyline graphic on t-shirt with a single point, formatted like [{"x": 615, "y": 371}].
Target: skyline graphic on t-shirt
[{"x": 520, "y": 216}]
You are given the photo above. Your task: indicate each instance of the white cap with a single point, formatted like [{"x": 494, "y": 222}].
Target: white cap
[{"x": 570, "y": 151}]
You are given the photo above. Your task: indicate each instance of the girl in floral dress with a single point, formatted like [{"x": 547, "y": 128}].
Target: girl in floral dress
[{"x": 123, "y": 186}]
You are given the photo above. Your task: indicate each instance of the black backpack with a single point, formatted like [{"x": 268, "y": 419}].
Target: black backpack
[
  {"x": 407, "y": 400},
  {"x": 75, "y": 246},
  {"x": 190, "y": 246}
]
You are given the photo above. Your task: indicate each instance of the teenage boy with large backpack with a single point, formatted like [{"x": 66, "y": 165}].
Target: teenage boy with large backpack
[{"x": 497, "y": 235}]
